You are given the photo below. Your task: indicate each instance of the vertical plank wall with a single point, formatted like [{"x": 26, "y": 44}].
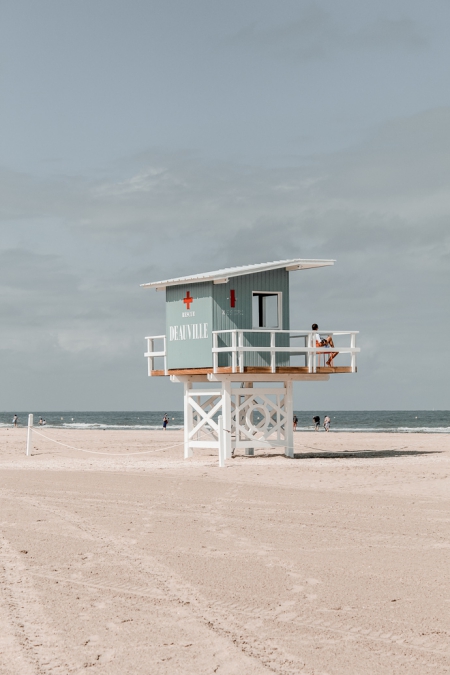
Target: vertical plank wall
[{"x": 227, "y": 318}]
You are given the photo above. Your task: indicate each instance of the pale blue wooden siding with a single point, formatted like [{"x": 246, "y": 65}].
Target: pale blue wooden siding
[
  {"x": 194, "y": 350},
  {"x": 227, "y": 318}
]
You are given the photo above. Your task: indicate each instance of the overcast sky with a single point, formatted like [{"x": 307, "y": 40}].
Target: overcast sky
[{"x": 143, "y": 140}]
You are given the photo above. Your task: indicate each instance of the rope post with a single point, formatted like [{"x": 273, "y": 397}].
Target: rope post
[{"x": 29, "y": 433}]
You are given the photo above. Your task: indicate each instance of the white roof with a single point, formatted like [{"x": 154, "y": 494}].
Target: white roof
[{"x": 222, "y": 276}]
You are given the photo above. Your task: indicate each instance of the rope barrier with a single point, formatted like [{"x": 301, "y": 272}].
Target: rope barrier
[
  {"x": 108, "y": 454},
  {"x": 169, "y": 447},
  {"x": 351, "y": 451}
]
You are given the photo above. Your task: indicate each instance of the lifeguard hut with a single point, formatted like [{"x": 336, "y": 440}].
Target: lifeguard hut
[{"x": 229, "y": 330}]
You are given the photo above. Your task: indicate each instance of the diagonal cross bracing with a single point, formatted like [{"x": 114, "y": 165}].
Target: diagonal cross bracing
[{"x": 205, "y": 417}]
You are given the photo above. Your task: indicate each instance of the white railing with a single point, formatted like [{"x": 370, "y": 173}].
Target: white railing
[
  {"x": 237, "y": 349},
  {"x": 151, "y": 354},
  {"x": 309, "y": 349}
]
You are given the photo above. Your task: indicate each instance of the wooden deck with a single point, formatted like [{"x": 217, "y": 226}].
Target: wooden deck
[{"x": 282, "y": 370}]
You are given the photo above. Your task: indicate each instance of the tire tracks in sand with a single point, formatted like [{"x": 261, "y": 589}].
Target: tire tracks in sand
[
  {"x": 29, "y": 644},
  {"x": 230, "y": 621}
]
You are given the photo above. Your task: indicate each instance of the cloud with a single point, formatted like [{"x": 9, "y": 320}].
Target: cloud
[
  {"x": 75, "y": 251},
  {"x": 317, "y": 35},
  {"x": 388, "y": 34}
]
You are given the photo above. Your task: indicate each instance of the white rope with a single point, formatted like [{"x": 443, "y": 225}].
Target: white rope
[
  {"x": 352, "y": 451},
  {"x": 108, "y": 454}
]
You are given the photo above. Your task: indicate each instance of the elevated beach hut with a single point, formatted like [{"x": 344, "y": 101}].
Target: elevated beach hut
[{"x": 231, "y": 329}]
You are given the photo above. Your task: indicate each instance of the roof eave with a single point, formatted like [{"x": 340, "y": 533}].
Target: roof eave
[{"x": 221, "y": 279}]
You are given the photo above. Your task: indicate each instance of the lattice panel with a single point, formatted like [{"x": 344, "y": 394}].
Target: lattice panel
[{"x": 259, "y": 417}]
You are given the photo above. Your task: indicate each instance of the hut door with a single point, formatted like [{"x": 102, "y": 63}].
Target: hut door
[{"x": 266, "y": 310}]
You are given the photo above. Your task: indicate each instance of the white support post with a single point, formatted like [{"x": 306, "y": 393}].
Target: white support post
[
  {"x": 289, "y": 408},
  {"x": 309, "y": 356},
  {"x": 29, "y": 434},
  {"x": 215, "y": 354},
  {"x": 353, "y": 357},
  {"x": 150, "y": 358},
  {"x": 226, "y": 412},
  {"x": 233, "y": 352},
  {"x": 315, "y": 356},
  {"x": 166, "y": 372},
  {"x": 272, "y": 352},
  {"x": 241, "y": 353},
  {"x": 221, "y": 443},
  {"x": 187, "y": 420}
]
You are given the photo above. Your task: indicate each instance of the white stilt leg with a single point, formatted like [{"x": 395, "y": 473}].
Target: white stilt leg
[
  {"x": 289, "y": 407},
  {"x": 187, "y": 421},
  {"x": 250, "y": 451},
  {"x": 221, "y": 443},
  {"x": 226, "y": 412},
  {"x": 29, "y": 434}
]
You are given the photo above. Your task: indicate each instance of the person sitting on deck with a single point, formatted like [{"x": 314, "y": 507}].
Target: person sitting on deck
[{"x": 324, "y": 342}]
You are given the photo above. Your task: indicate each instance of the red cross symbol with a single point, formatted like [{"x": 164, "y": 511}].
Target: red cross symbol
[{"x": 188, "y": 300}]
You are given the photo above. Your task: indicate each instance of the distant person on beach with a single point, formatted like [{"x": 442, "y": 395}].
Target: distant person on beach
[
  {"x": 295, "y": 422},
  {"x": 165, "y": 422},
  {"x": 326, "y": 342},
  {"x": 41, "y": 421},
  {"x": 15, "y": 420},
  {"x": 316, "y": 420},
  {"x": 326, "y": 423}
]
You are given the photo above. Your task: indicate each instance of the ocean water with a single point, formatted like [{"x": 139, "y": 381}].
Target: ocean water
[{"x": 399, "y": 421}]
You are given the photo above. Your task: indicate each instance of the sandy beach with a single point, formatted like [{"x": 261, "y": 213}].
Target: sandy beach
[{"x": 133, "y": 560}]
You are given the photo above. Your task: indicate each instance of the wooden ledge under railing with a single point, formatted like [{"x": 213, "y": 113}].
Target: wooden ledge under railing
[{"x": 256, "y": 370}]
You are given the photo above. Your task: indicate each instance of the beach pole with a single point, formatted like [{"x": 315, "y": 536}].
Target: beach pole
[
  {"x": 289, "y": 410},
  {"x": 29, "y": 433},
  {"x": 221, "y": 443},
  {"x": 226, "y": 407}
]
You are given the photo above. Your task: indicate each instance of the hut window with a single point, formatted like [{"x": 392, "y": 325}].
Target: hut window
[{"x": 266, "y": 310}]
